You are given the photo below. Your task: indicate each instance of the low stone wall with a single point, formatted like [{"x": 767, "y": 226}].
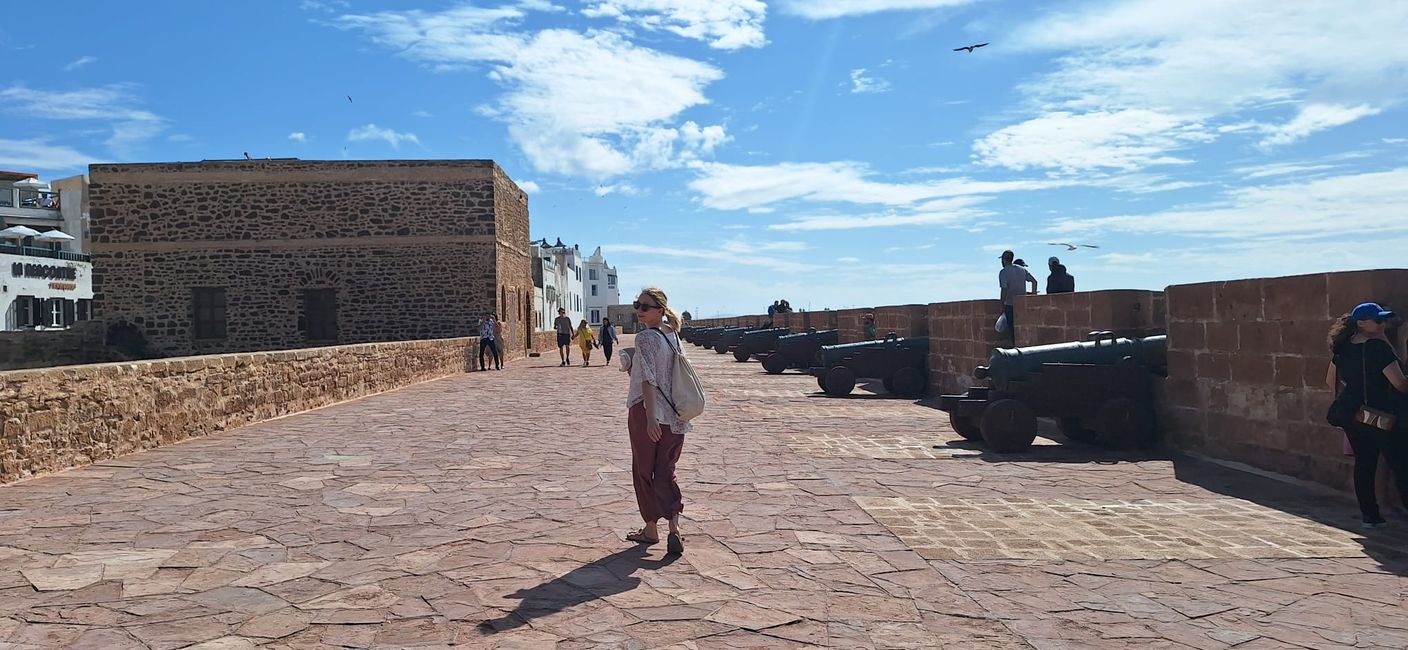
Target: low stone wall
[
  {"x": 57, "y": 418},
  {"x": 85, "y": 342},
  {"x": 904, "y": 320},
  {"x": 851, "y": 324},
  {"x": 1063, "y": 317},
  {"x": 961, "y": 337}
]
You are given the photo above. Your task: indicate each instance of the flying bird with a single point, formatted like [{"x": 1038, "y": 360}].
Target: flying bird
[
  {"x": 969, "y": 48},
  {"x": 1071, "y": 247},
  {"x": 349, "y": 99}
]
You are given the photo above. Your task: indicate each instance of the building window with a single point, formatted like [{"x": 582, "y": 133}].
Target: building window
[
  {"x": 593, "y": 289},
  {"x": 596, "y": 315},
  {"x": 85, "y": 309},
  {"x": 24, "y": 311},
  {"x": 611, "y": 281},
  {"x": 320, "y": 314},
  {"x": 209, "y": 312},
  {"x": 591, "y": 274}
]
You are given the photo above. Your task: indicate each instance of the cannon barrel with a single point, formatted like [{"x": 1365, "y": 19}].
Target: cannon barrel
[
  {"x": 1103, "y": 349},
  {"x": 834, "y": 355},
  {"x": 711, "y": 336}
]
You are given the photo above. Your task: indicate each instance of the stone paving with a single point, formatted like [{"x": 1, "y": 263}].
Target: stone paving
[{"x": 488, "y": 510}]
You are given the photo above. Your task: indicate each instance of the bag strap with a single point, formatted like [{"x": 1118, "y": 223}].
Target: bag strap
[{"x": 676, "y": 350}]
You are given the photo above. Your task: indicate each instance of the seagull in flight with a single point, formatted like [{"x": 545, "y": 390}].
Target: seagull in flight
[
  {"x": 1071, "y": 247},
  {"x": 349, "y": 99},
  {"x": 969, "y": 48}
]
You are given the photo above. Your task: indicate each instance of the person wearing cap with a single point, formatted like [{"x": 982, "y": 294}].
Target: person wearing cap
[
  {"x": 1012, "y": 280},
  {"x": 1366, "y": 373},
  {"x": 1059, "y": 281}
]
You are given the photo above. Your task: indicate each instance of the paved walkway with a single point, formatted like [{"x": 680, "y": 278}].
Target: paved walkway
[{"x": 488, "y": 510}]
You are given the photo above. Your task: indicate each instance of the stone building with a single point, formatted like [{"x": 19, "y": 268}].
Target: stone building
[
  {"x": 235, "y": 256},
  {"x": 557, "y": 280},
  {"x": 600, "y": 287}
]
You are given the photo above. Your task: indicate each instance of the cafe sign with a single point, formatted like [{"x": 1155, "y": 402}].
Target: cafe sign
[{"x": 43, "y": 271}]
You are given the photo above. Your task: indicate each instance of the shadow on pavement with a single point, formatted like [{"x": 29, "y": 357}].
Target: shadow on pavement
[{"x": 607, "y": 576}]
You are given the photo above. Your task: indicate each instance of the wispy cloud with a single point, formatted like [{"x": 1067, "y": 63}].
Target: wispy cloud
[
  {"x": 617, "y": 188},
  {"x": 80, "y": 62},
  {"x": 114, "y": 104},
  {"x": 529, "y": 187},
  {"x": 861, "y": 84},
  {"x": 40, "y": 155},
  {"x": 300, "y": 137},
  {"x": 723, "y": 24},
  {"x": 946, "y": 212},
  {"x": 422, "y": 113},
  {"x": 1312, "y": 118},
  {"x": 1072, "y": 142},
  {"x": 372, "y": 132},
  {"x": 823, "y": 9},
  {"x": 720, "y": 255}
]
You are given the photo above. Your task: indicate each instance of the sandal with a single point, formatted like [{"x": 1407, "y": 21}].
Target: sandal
[
  {"x": 640, "y": 538},
  {"x": 675, "y": 544}
]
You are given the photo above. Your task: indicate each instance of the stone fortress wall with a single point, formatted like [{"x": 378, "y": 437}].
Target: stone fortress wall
[
  {"x": 1247, "y": 358},
  {"x": 413, "y": 249}
]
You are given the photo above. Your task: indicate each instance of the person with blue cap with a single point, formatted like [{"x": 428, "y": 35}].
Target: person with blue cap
[{"x": 1368, "y": 377}]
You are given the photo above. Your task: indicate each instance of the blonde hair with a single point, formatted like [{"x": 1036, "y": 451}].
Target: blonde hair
[{"x": 672, "y": 316}]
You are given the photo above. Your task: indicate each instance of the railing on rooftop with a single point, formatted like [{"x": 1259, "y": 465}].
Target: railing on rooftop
[
  {"x": 35, "y": 199},
  {"x": 32, "y": 251}
]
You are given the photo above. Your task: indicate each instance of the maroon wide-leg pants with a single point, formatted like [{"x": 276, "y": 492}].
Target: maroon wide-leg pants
[{"x": 653, "y": 468}]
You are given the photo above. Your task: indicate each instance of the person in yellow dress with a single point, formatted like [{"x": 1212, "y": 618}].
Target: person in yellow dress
[{"x": 586, "y": 340}]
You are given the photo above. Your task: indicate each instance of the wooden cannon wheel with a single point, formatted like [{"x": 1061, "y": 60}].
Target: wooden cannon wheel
[
  {"x": 839, "y": 381},
  {"x": 1123, "y": 423},
  {"x": 740, "y": 355},
  {"x": 909, "y": 382},
  {"x": 965, "y": 426},
  {"x": 1008, "y": 426},
  {"x": 1075, "y": 430},
  {"x": 774, "y": 364},
  {"x": 720, "y": 348}
]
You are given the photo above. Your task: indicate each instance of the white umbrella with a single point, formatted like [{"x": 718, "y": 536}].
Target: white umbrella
[
  {"x": 31, "y": 183},
  {"x": 54, "y": 235},
  {"x": 18, "y": 232}
]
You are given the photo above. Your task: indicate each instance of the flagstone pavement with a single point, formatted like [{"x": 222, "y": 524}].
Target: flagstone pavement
[{"x": 488, "y": 510}]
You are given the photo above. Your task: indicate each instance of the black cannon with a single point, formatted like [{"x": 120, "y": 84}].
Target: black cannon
[
  {"x": 799, "y": 350},
  {"x": 707, "y": 337},
  {"x": 687, "y": 333},
  {"x": 900, "y": 363},
  {"x": 1098, "y": 390},
  {"x": 758, "y": 342},
  {"x": 730, "y": 339}
]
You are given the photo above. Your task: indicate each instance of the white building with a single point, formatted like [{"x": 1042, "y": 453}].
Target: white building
[
  {"x": 600, "y": 286},
  {"x": 46, "y": 280},
  {"x": 557, "y": 282}
]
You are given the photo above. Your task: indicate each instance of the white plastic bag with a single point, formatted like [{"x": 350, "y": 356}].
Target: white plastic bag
[{"x": 1001, "y": 325}]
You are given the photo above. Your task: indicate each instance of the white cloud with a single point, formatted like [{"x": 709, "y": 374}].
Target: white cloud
[
  {"x": 179, "y": 137},
  {"x": 422, "y": 113},
  {"x": 1323, "y": 207},
  {"x": 946, "y": 212},
  {"x": 529, "y": 187},
  {"x": 373, "y": 132},
  {"x": 1312, "y": 118},
  {"x": 80, "y": 62},
  {"x": 618, "y": 188},
  {"x": 861, "y": 84},
  {"x": 1394, "y": 140},
  {"x": 114, "y": 104},
  {"x": 298, "y": 136},
  {"x": 737, "y": 187},
  {"x": 1123, "y": 140},
  {"x": 589, "y": 104},
  {"x": 823, "y": 9},
  {"x": 724, "y": 24},
  {"x": 1281, "y": 169},
  {"x": 40, "y": 155},
  {"x": 848, "y": 260}
]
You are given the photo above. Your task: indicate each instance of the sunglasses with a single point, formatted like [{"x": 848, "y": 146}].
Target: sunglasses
[{"x": 641, "y": 306}]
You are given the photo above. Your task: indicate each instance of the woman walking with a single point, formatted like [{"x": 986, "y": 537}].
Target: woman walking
[
  {"x": 657, "y": 434},
  {"x": 585, "y": 340},
  {"x": 607, "y": 339},
  {"x": 1370, "y": 382}
]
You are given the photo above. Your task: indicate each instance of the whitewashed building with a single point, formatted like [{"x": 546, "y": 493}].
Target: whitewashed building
[
  {"x": 600, "y": 286},
  {"x": 557, "y": 282},
  {"x": 46, "y": 278}
]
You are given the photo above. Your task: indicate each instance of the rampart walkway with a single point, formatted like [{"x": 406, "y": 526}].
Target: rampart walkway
[{"x": 488, "y": 510}]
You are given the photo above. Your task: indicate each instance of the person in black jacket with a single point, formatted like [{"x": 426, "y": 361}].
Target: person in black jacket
[
  {"x": 1059, "y": 281},
  {"x": 1365, "y": 372}
]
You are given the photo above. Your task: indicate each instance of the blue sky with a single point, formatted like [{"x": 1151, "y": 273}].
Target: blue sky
[{"x": 832, "y": 152}]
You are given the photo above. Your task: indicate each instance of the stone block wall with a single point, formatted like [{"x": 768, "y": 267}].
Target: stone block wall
[
  {"x": 413, "y": 249},
  {"x": 851, "y": 323},
  {"x": 961, "y": 338},
  {"x": 1247, "y": 362},
  {"x": 57, "y": 418},
  {"x": 85, "y": 342},
  {"x": 904, "y": 320},
  {"x": 1066, "y": 317}
]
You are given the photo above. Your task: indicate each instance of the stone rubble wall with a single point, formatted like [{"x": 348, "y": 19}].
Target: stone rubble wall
[{"x": 56, "y": 418}]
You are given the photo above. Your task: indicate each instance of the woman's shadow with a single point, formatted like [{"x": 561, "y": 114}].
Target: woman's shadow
[{"x": 600, "y": 578}]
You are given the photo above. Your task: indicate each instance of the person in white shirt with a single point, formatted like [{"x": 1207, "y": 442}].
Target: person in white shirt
[
  {"x": 657, "y": 434},
  {"x": 1012, "y": 280}
]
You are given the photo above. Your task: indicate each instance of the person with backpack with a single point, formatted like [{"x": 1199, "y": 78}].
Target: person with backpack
[{"x": 656, "y": 429}]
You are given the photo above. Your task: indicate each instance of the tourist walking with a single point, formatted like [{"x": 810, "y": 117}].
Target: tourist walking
[
  {"x": 586, "y": 340},
  {"x": 608, "y": 338},
  {"x": 1012, "y": 281},
  {"x": 1368, "y": 377},
  {"x": 563, "y": 325},
  {"x": 1059, "y": 281},
  {"x": 657, "y": 434},
  {"x": 488, "y": 340}
]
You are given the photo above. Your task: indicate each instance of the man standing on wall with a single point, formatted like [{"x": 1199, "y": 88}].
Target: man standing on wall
[
  {"x": 1012, "y": 280},
  {"x": 563, "y": 325},
  {"x": 1059, "y": 281},
  {"x": 488, "y": 340}
]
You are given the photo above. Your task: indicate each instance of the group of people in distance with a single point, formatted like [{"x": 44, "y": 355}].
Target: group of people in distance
[
  {"x": 585, "y": 339},
  {"x": 1014, "y": 277}
]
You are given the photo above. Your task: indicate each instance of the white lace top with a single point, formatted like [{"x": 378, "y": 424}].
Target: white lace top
[{"x": 653, "y": 365}]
